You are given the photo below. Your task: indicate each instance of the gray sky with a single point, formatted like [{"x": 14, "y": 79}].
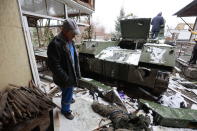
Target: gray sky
[{"x": 106, "y": 11}]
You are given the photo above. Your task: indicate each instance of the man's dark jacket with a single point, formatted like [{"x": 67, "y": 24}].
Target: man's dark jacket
[
  {"x": 157, "y": 22},
  {"x": 65, "y": 73}
]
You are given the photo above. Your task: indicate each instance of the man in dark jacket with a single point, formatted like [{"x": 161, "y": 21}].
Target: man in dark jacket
[
  {"x": 64, "y": 64},
  {"x": 156, "y": 23},
  {"x": 193, "y": 58}
]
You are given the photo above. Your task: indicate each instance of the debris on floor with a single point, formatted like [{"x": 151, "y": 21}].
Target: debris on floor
[
  {"x": 174, "y": 101},
  {"x": 85, "y": 118},
  {"x": 175, "y": 109},
  {"x": 189, "y": 71},
  {"x": 20, "y": 104},
  {"x": 171, "y": 117}
]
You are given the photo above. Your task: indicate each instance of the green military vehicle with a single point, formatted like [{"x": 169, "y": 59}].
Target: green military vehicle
[{"x": 131, "y": 60}]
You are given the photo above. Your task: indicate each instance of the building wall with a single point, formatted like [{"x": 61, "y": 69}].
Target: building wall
[
  {"x": 14, "y": 62},
  {"x": 182, "y": 26}
]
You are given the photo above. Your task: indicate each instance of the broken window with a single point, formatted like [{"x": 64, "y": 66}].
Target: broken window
[
  {"x": 35, "y": 6},
  {"x": 43, "y": 7}
]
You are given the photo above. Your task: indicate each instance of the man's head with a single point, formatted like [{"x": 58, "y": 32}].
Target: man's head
[
  {"x": 70, "y": 29},
  {"x": 160, "y": 14}
]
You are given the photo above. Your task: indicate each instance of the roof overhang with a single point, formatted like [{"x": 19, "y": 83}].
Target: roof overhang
[
  {"x": 83, "y": 9},
  {"x": 189, "y": 10}
]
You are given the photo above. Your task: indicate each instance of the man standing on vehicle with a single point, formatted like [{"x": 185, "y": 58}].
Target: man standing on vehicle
[
  {"x": 64, "y": 64},
  {"x": 194, "y": 52},
  {"x": 157, "y": 23}
]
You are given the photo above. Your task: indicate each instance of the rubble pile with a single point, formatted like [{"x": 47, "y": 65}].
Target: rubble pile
[
  {"x": 22, "y": 103},
  {"x": 127, "y": 113},
  {"x": 174, "y": 101},
  {"x": 171, "y": 117}
]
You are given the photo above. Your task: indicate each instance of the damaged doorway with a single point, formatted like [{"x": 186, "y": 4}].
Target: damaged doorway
[
  {"x": 39, "y": 32},
  {"x": 41, "y": 22},
  {"x": 36, "y": 17},
  {"x": 42, "y": 31}
]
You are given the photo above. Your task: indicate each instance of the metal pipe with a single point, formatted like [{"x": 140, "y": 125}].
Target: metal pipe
[{"x": 186, "y": 23}]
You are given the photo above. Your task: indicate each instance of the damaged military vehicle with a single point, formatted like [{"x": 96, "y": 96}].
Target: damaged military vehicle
[{"x": 131, "y": 60}]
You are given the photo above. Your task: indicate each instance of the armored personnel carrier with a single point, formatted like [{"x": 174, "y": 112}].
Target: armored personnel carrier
[{"x": 130, "y": 60}]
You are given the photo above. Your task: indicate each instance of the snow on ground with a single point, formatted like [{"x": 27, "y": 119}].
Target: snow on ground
[
  {"x": 175, "y": 82},
  {"x": 194, "y": 106},
  {"x": 130, "y": 104},
  {"x": 174, "y": 101},
  {"x": 119, "y": 55},
  {"x": 159, "y": 45},
  {"x": 161, "y": 128},
  {"x": 87, "y": 79},
  {"x": 85, "y": 118}
]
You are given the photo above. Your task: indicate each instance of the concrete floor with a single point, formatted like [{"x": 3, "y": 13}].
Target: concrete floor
[{"x": 85, "y": 118}]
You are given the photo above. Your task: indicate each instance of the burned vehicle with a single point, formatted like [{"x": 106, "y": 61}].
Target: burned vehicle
[{"x": 131, "y": 60}]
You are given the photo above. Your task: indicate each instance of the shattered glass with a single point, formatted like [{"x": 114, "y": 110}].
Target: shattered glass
[
  {"x": 55, "y": 8},
  {"x": 35, "y": 6},
  {"x": 43, "y": 7}
]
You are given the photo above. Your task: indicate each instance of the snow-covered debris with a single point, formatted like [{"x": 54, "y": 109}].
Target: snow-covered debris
[
  {"x": 158, "y": 45},
  {"x": 194, "y": 107},
  {"x": 116, "y": 54},
  {"x": 157, "y": 54},
  {"x": 130, "y": 104},
  {"x": 174, "y": 82},
  {"x": 150, "y": 114},
  {"x": 174, "y": 101},
  {"x": 87, "y": 79},
  {"x": 161, "y": 128},
  {"x": 178, "y": 95},
  {"x": 85, "y": 118},
  {"x": 194, "y": 91}
]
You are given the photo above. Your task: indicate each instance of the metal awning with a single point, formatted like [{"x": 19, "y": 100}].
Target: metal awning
[
  {"x": 55, "y": 8},
  {"x": 78, "y": 7},
  {"x": 189, "y": 10}
]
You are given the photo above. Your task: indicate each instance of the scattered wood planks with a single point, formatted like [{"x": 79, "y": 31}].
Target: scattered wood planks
[{"x": 23, "y": 103}]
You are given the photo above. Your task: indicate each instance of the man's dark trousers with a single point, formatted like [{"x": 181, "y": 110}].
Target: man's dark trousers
[{"x": 154, "y": 34}]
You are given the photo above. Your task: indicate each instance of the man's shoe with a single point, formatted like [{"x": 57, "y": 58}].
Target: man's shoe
[
  {"x": 72, "y": 101},
  {"x": 69, "y": 115}
]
